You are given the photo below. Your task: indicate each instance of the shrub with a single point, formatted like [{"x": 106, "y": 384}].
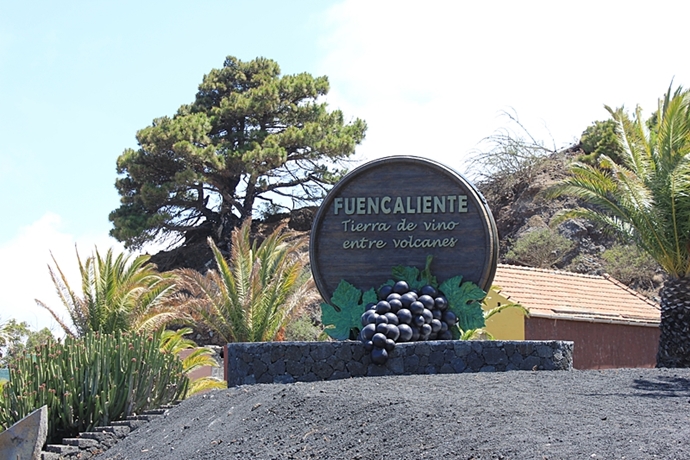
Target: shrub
[
  {"x": 539, "y": 248},
  {"x": 91, "y": 381},
  {"x": 630, "y": 266}
]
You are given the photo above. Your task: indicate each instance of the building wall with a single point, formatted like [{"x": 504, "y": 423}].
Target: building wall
[
  {"x": 509, "y": 324},
  {"x": 599, "y": 345}
]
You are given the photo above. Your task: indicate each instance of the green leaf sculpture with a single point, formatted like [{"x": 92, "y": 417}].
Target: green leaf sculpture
[
  {"x": 413, "y": 277},
  {"x": 464, "y": 299},
  {"x": 342, "y": 317}
]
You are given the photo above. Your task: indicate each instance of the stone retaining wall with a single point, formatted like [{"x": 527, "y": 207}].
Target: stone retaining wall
[{"x": 287, "y": 362}]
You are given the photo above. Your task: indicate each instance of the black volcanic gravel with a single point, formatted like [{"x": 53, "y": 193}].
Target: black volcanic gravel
[{"x": 611, "y": 414}]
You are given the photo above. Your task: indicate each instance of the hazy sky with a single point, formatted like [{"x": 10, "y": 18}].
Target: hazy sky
[{"x": 78, "y": 79}]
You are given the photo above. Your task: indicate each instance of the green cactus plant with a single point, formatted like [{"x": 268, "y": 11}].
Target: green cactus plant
[{"x": 92, "y": 381}]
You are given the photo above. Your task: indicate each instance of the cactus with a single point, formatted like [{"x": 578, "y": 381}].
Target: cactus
[{"x": 92, "y": 381}]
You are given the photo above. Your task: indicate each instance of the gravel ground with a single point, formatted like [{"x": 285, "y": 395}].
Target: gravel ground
[{"x": 612, "y": 414}]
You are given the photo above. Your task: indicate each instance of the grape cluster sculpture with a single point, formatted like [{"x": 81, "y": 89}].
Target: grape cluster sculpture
[{"x": 405, "y": 315}]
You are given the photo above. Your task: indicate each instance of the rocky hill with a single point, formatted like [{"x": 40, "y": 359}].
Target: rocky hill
[{"x": 527, "y": 235}]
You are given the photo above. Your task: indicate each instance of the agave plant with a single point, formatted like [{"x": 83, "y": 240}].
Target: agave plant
[
  {"x": 175, "y": 342},
  {"x": 251, "y": 297},
  {"x": 118, "y": 293}
]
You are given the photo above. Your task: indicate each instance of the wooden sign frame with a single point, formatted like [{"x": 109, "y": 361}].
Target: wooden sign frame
[{"x": 397, "y": 211}]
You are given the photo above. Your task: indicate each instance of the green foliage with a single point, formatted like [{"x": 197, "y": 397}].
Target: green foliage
[
  {"x": 91, "y": 381},
  {"x": 250, "y": 134},
  {"x": 413, "y": 277},
  {"x": 464, "y": 299},
  {"x": 631, "y": 266},
  {"x": 541, "y": 248},
  {"x": 16, "y": 337},
  {"x": 174, "y": 342},
  {"x": 303, "y": 329},
  {"x": 251, "y": 297},
  {"x": 342, "y": 318},
  {"x": 598, "y": 139},
  {"x": 645, "y": 197},
  {"x": 117, "y": 294}
]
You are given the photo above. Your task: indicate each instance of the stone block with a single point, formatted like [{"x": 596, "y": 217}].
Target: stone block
[
  {"x": 25, "y": 438},
  {"x": 494, "y": 356},
  {"x": 81, "y": 443},
  {"x": 530, "y": 363}
]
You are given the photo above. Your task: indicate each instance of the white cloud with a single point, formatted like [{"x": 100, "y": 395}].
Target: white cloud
[
  {"x": 433, "y": 78},
  {"x": 24, "y": 274}
]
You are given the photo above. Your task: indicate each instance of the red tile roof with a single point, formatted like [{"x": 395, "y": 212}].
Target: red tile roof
[{"x": 564, "y": 295}]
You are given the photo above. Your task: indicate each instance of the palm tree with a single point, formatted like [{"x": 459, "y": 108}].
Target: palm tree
[
  {"x": 175, "y": 342},
  {"x": 117, "y": 294},
  {"x": 645, "y": 197},
  {"x": 252, "y": 297}
]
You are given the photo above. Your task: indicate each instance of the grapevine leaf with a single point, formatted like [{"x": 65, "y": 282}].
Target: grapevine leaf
[
  {"x": 413, "y": 277},
  {"x": 426, "y": 277},
  {"x": 464, "y": 299},
  {"x": 345, "y": 317},
  {"x": 369, "y": 297},
  {"x": 408, "y": 274}
]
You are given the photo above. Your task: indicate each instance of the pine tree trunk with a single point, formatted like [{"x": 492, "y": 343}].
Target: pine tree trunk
[{"x": 674, "y": 342}]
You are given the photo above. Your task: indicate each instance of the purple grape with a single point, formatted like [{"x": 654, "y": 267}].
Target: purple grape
[
  {"x": 404, "y": 316},
  {"x": 427, "y": 301},
  {"x": 395, "y": 304},
  {"x": 428, "y": 316},
  {"x": 368, "y": 317},
  {"x": 429, "y": 290},
  {"x": 383, "y": 307},
  {"x": 392, "y": 318},
  {"x": 385, "y": 291},
  {"x": 435, "y": 325},
  {"x": 393, "y": 332},
  {"x": 379, "y": 355},
  {"x": 368, "y": 332},
  {"x": 401, "y": 287},
  {"x": 418, "y": 320},
  {"x": 405, "y": 333},
  {"x": 416, "y": 308},
  {"x": 450, "y": 318},
  {"x": 390, "y": 345},
  {"x": 441, "y": 303},
  {"x": 393, "y": 296},
  {"x": 407, "y": 299},
  {"x": 379, "y": 340}
]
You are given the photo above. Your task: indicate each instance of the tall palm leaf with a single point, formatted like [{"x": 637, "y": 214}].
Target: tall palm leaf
[
  {"x": 118, "y": 293},
  {"x": 251, "y": 297},
  {"x": 175, "y": 342},
  {"x": 646, "y": 198}
]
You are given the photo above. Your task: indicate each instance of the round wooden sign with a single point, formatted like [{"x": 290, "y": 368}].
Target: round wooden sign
[{"x": 397, "y": 211}]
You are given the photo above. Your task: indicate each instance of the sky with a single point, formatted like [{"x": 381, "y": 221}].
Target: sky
[{"x": 432, "y": 79}]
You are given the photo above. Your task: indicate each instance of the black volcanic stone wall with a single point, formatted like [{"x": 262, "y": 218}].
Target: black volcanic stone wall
[{"x": 287, "y": 362}]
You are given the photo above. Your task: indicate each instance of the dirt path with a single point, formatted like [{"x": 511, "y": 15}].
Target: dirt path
[{"x": 627, "y": 413}]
